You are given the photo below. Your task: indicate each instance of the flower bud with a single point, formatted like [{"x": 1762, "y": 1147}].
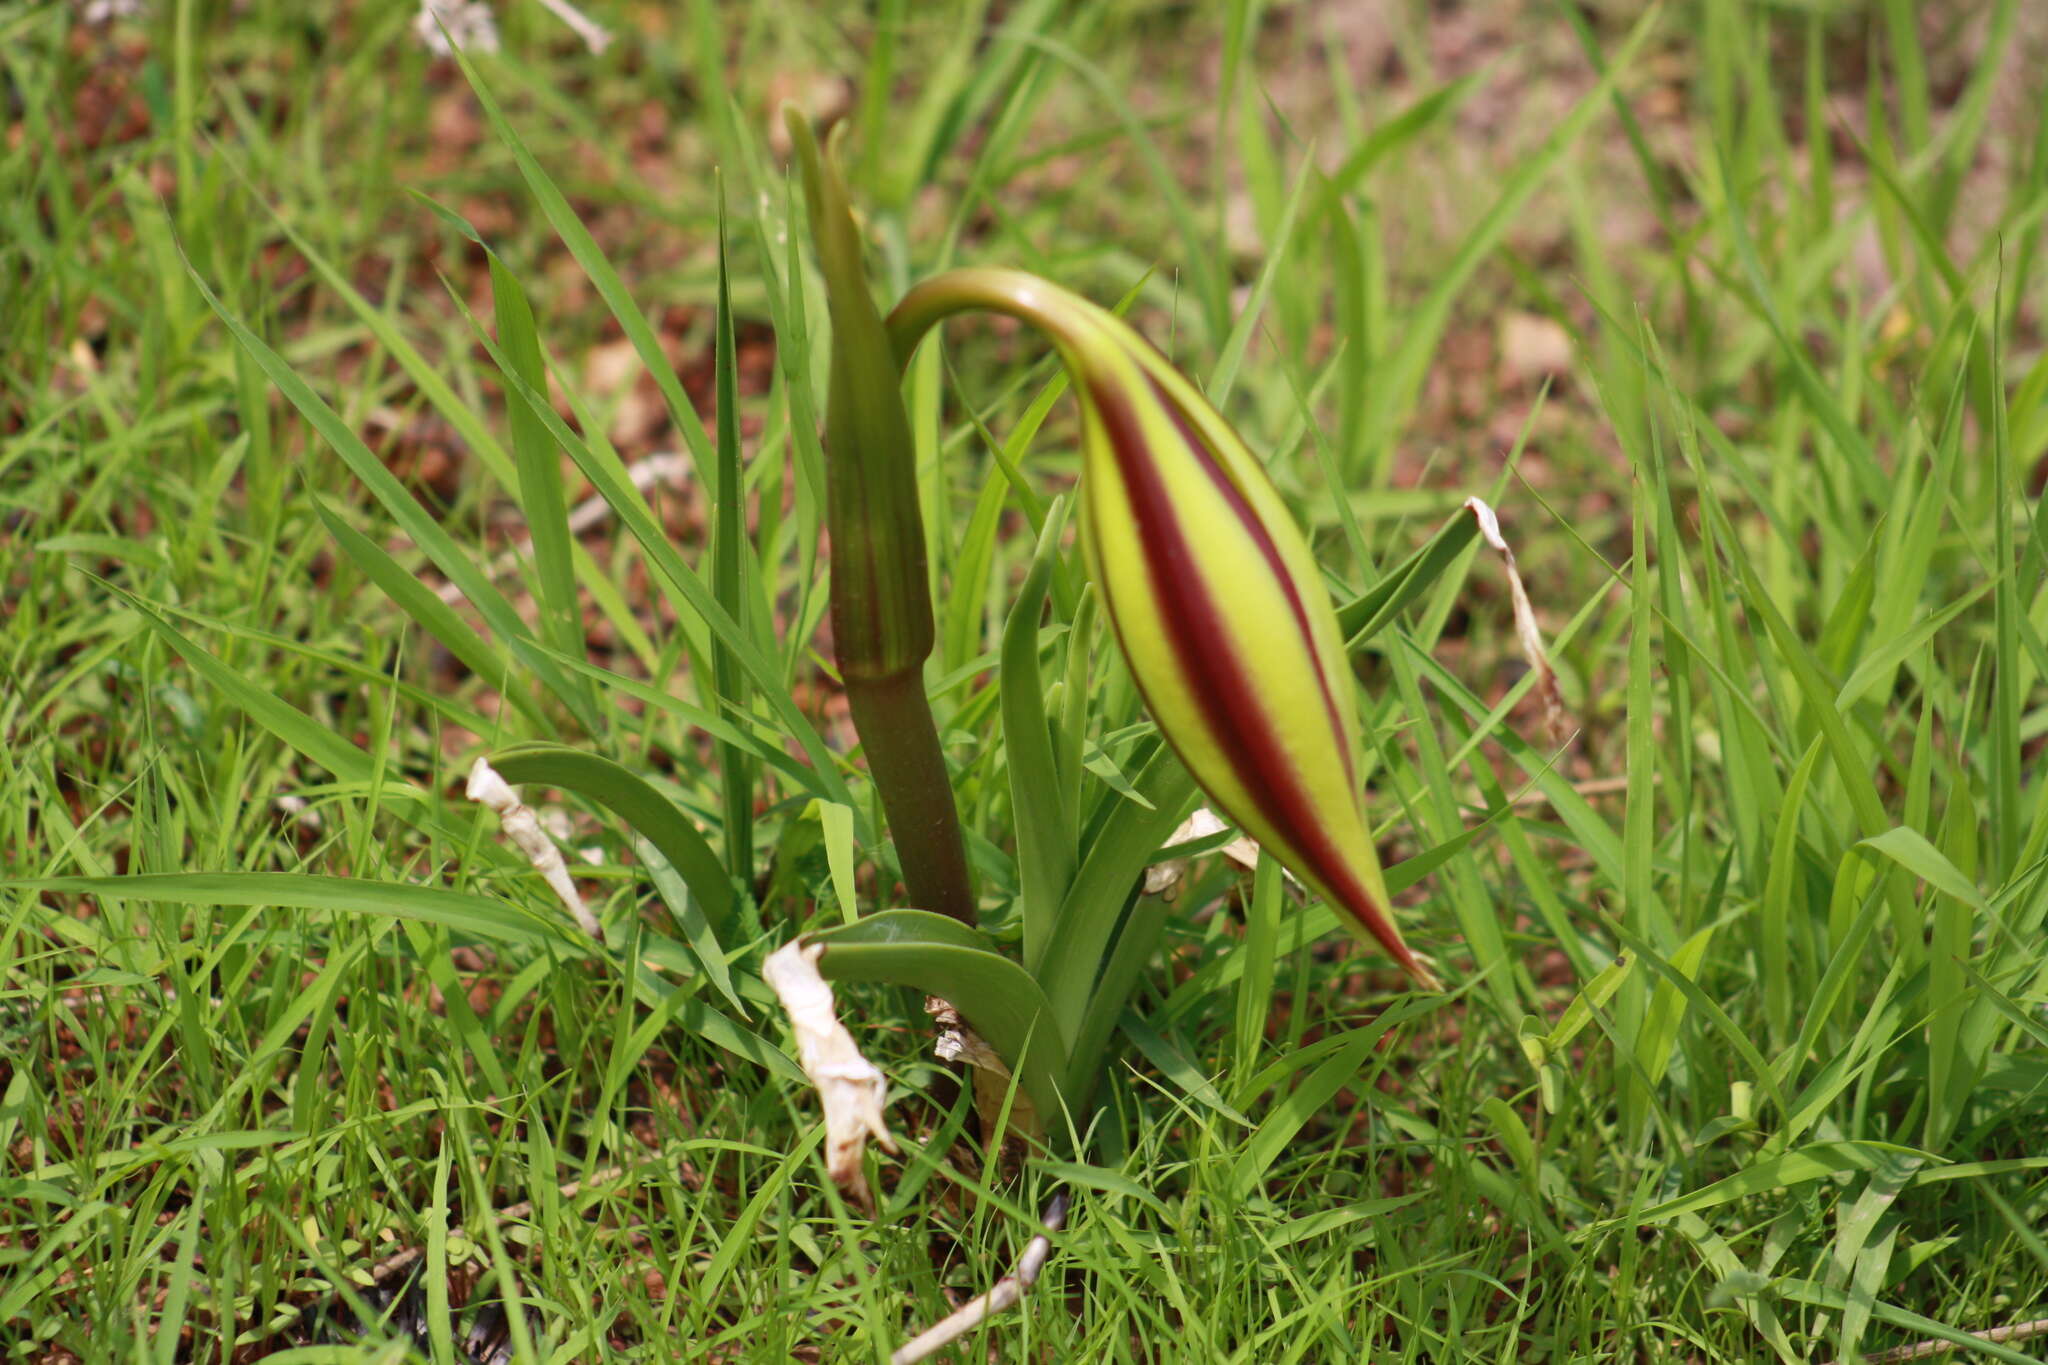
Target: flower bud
[{"x": 1215, "y": 598}]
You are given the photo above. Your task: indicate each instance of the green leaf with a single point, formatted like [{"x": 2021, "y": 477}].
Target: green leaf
[
  {"x": 940, "y": 956},
  {"x": 1231, "y": 357},
  {"x": 1108, "y": 1005},
  {"x": 426, "y": 609},
  {"x": 1367, "y": 614},
  {"x": 1786, "y": 1171},
  {"x": 1676, "y": 974},
  {"x": 1104, "y": 1180},
  {"x": 287, "y": 722},
  {"x": 705, "y": 954},
  {"x": 462, "y": 913},
  {"x": 835, "y": 828},
  {"x": 908, "y": 927},
  {"x": 1340, "y": 1068},
  {"x": 541, "y": 497},
  {"x": 1591, "y": 999},
  {"x": 1823, "y": 403},
  {"x": 426, "y": 530},
  {"x": 554, "y": 206},
  {"x": 1909, "y": 849},
  {"x": 703, "y": 1021},
  {"x": 1402, "y": 370},
  {"x": 968, "y": 591},
  {"x": 728, "y": 575},
  {"x": 602, "y": 466},
  {"x": 1392, "y": 134},
  {"x": 1122, "y": 848},
  {"x": 1046, "y": 857},
  {"x": 645, "y": 810},
  {"x": 881, "y": 599},
  {"x": 1836, "y": 1300},
  {"x": 1160, "y": 1051}
]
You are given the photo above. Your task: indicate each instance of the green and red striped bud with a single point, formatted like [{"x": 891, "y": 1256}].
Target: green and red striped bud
[{"x": 1212, "y": 591}]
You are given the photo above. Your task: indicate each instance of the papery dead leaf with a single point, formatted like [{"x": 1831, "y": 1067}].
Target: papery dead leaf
[
  {"x": 989, "y": 1074},
  {"x": 1161, "y": 878},
  {"x": 522, "y": 828},
  {"x": 850, "y": 1087},
  {"x": 1526, "y": 632}
]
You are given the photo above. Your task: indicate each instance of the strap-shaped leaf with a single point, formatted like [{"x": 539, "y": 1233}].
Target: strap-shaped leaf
[
  {"x": 909, "y": 927},
  {"x": 1046, "y": 860},
  {"x": 1127, "y": 841},
  {"x": 636, "y": 801},
  {"x": 477, "y": 916},
  {"x": 1365, "y": 615},
  {"x": 1136, "y": 940},
  {"x": 940, "y": 956}
]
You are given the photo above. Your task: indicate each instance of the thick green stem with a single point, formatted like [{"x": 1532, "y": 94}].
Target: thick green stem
[
  {"x": 881, "y": 596},
  {"x": 909, "y": 769},
  {"x": 881, "y": 613}
]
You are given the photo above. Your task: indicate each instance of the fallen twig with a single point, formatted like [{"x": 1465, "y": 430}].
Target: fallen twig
[
  {"x": 1920, "y": 1350},
  {"x": 1592, "y": 786},
  {"x": 594, "y": 37},
  {"x": 1004, "y": 1293}
]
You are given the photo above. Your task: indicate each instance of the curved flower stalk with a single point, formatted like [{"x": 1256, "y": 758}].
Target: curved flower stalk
[{"x": 1211, "y": 589}]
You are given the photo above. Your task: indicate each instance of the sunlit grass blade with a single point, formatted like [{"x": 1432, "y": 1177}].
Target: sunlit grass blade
[
  {"x": 399, "y": 503},
  {"x": 478, "y": 917},
  {"x": 541, "y": 498},
  {"x": 730, "y": 557}
]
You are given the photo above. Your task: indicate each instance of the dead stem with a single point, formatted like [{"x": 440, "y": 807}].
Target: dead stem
[
  {"x": 1920, "y": 1350},
  {"x": 1002, "y": 1295}
]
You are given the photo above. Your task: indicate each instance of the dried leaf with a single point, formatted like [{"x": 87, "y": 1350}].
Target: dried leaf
[
  {"x": 987, "y": 1071},
  {"x": 850, "y": 1087},
  {"x": 522, "y": 827},
  {"x": 1525, "y": 624}
]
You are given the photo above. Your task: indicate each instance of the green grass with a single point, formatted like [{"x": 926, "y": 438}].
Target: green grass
[{"x": 1778, "y": 517}]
